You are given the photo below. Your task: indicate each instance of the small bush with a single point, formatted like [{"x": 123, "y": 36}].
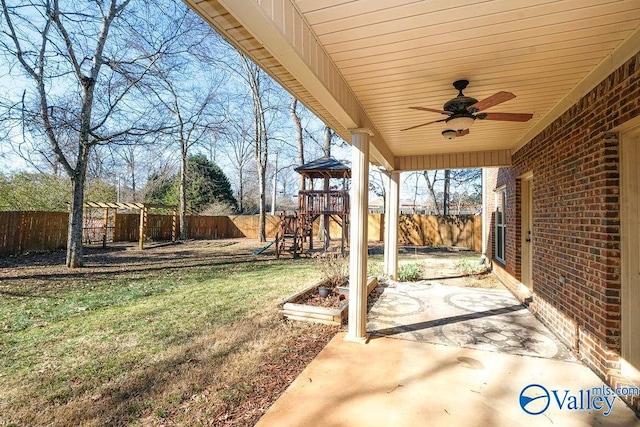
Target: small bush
[
  {"x": 374, "y": 268},
  {"x": 334, "y": 268},
  {"x": 471, "y": 267},
  {"x": 409, "y": 272}
]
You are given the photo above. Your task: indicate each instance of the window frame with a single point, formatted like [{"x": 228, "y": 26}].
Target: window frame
[{"x": 500, "y": 226}]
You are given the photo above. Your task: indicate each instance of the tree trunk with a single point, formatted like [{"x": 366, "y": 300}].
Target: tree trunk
[
  {"x": 132, "y": 167},
  {"x": 261, "y": 142},
  {"x": 262, "y": 184},
  {"x": 241, "y": 190},
  {"x": 323, "y": 229},
  {"x": 183, "y": 197},
  {"x": 74, "y": 237},
  {"x": 274, "y": 195},
  {"x": 328, "y": 135},
  {"x": 446, "y": 195},
  {"x": 431, "y": 187},
  {"x": 299, "y": 140}
]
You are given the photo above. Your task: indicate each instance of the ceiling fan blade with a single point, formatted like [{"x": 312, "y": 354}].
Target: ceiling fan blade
[
  {"x": 432, "y": 110},
  {"x": 507, "y": 117},
  {"x": 462, "y": 132},
  {"x": 495, "y": 99},
  {"x": 423, "y": 124}
]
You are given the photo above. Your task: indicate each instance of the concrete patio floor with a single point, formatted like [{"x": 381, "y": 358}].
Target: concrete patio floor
[
  {"x": 484, "y": 319},
  {"x": 394, "y": 382},
  {"x": 450, "y": 356}
]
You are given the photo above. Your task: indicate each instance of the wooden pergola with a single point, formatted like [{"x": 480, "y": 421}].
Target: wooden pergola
[{"x": 144, "y": 212}]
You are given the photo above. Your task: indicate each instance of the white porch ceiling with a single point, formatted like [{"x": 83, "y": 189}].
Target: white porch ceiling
[{"x": 362, "y": 63}]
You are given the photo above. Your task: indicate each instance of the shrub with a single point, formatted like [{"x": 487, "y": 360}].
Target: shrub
[
  {"x": 334, "y": 268},
  {"x": 409, "y": 272},
  {"x": 471, "y": 267},
  {"x": 374, "y": 268}
]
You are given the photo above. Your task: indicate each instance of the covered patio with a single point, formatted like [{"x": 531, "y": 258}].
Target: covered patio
[
  {"x": 391, "y": 382},
  {"x": 564, "y": 73}
]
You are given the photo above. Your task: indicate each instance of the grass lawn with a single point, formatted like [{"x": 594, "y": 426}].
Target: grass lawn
[
  {"x": 174, "y": 335},
  {"x": 184, "y": 334}
]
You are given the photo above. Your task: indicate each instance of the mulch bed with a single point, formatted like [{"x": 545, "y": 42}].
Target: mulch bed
[
  {"x": 274, "y": 376},
  {"x": 334, "y": 300}
]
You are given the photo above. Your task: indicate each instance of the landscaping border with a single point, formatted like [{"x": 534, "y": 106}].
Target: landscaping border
[{"x": 293, "y": 310}]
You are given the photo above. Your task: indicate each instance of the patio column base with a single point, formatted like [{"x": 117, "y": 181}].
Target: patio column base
[{"x": 358, "y": 340}]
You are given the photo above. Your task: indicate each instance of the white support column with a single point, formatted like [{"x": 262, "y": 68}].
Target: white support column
[
  {"x": 357, "y": 330},
  {"x": 485, "y": 231},
  {"x": 391, "y": 224},
  {"x": 385, "y": 264}
]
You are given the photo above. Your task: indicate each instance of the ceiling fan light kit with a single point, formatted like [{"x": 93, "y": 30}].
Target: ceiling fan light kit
[
  {"x": 461, "y": 111},
  {"x": 449, "y": 133},
  {"x": 460, "y": 121}
]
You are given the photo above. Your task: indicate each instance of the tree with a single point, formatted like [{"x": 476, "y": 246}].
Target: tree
[
  {"x": 190, "y": 104},
  {"x": 207, "y": 185},
  {"x": 240, "y": 152},
  {"x": 431, "y": 177},
  {"x": 468, "y": 180},
  {"x": 254, "y": 78},
  {"x": 328, "y": 137},
  {"x": 295, "y": 118},
  {"x": 84, "y": 62},
  {"x": 377, "y": 184},
  {"x": 468, "y": 188},
  {"x": 446, "y": 193},
  {"x": 190, "y": 109}
]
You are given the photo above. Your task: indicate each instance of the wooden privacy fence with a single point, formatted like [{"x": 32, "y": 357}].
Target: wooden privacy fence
[
  {"x": 32, "y": 231},
  {"x": 44, "y": 231},
  {"x": 431, "y": 230},
  {"x": 198, "y": 227}
]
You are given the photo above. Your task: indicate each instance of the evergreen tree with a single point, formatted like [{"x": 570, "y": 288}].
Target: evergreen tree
[{"x": 206, "y": 185}]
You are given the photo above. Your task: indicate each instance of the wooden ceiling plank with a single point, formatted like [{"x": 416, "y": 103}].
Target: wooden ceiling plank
[
  {"x": 429, "y": 35},
  {"x": 494, "y": 51}
]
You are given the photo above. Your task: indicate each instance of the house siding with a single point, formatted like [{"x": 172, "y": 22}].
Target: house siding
[{"x": 576, "y": 217}]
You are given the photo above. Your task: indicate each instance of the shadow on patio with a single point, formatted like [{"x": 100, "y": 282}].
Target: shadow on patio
[{"x": 442, "y": 355}]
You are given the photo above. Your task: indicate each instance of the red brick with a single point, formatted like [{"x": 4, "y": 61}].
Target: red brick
[{"x": 576, "y": 219}]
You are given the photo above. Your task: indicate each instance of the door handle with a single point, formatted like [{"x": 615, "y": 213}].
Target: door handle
[{"x": 528, "y": 240}]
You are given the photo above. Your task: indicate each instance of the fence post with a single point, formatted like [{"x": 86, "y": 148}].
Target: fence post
[
  {"x": 105, "y": 228},
  {"x": 143, "y": 227},
  {"x": 23, "y": 232},
  {"x": 174, "y": 225}
]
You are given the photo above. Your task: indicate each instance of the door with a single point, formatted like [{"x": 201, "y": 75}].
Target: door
[
  {"x": 630, "y": 251},
  {"x": 527, "y": 230}
]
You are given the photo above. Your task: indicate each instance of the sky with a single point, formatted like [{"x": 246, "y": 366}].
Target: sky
[{"x": 12, "y": 84}]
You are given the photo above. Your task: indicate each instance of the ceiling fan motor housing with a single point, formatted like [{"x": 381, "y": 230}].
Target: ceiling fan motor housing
[
  {"x": 461, "y": 116},
  {"x": 459, "y": 104}
]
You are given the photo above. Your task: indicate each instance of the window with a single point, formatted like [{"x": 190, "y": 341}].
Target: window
[{"x": 501, "y": 225}]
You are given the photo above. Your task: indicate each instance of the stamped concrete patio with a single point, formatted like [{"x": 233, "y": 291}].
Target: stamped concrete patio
[
  {"x": 451, "y": 356},
  {"x": 483, "y": 319}
]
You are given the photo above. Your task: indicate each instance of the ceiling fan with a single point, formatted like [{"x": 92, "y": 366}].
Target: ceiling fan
[{"x": 462, "y": 111}]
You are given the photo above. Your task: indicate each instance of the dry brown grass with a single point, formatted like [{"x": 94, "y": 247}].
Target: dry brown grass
[
  {"x": 219, "y": 379},
  {"x": 184, "y": 335}
]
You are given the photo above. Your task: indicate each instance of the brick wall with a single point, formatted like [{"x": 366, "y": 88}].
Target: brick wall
[{"x": 576, "y": 219}]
